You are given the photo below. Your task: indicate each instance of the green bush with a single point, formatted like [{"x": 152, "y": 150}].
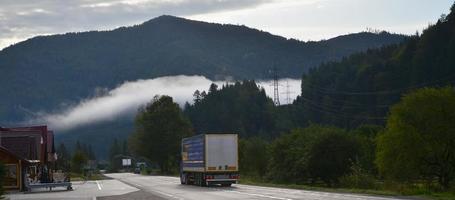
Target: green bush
[
  {"x": 316, "y": 153},
  {"x": 358, "y": 178},
  {"x": 331, "y": 155},
  {"x": 253, "y": 157},
  {"x": 78, "y": 161},
  {"x": 418, "y": 140}
]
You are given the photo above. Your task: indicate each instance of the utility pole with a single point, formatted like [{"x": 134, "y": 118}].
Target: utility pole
[
  {"x": 288, "y": 92},
  {"x": 276, "y": 94}
]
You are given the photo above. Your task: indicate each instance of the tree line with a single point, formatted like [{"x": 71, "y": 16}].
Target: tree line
[
  {"x": 357, "y": 122},
  {"x": 74, "y": 161},
  {"x": 380, "y": 117},
  {"x": 416, "y": 144}
]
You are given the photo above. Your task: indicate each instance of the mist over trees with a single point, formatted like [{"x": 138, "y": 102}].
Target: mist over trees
[
  {"x": 51, "y": 73},
  {"x": 66, "y": 68}
]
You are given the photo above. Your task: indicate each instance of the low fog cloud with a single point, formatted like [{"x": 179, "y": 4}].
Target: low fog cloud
[{"x": 128, "y": 97}]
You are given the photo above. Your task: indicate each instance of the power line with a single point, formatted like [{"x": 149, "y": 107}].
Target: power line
[
  {"x": 384, "y": 92},
  {"x": 288, "y": 92},
  {"x": 349, "y": 104},
  {"x": 276, "y": 93},
  {"x": 323, "y": 109}
]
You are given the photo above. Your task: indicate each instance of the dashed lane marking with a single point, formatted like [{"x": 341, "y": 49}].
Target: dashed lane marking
[{"x": 99, "y": 185}]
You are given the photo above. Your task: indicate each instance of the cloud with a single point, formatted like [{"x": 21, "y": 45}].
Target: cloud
[
  {"x": 128, "y": 97},
  {"x": 21, "y": 19}
]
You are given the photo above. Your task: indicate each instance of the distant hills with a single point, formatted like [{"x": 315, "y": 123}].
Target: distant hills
[{"x": 45, "y": 73}]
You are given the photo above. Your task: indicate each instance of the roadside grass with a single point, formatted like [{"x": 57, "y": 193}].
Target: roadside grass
[
  {"x": 414, "y": 193},
  {"x": 442, "y": 195},
  {"x": 417, "y": 192},
  {"x": 257, "y": 182}
]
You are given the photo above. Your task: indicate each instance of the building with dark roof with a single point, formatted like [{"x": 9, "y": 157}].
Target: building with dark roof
[
  {"x": 14, "y": 166},
  {"x": 27, "y": 152}
]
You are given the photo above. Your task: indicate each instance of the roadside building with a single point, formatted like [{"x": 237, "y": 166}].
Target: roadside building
[
  {"x": 15, "y": 169},
  {"x": 28, "y": 153}
]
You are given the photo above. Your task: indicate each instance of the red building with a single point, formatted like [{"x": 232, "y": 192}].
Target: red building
[
  {"x": 14, "y": 166},
  {"x": 27, "y": 151}
]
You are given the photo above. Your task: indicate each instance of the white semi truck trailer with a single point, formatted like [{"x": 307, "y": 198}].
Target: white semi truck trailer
[{"x": 210, "y": 159}]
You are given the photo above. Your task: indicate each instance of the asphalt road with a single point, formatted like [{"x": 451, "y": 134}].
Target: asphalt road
[
  {"x": 88, "y": 190},
  {"x": 163, "y": 187}
]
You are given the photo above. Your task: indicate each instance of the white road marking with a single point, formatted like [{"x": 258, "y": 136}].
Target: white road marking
[
  {"x": 166, "y": 189},
  {"x": 159, "y": 192},
  {"x": 261, "y": 195},
  {"x": 99, "y": 186},
  {"x": 254, "y": 194},
  {"x": 137, "y": 185},
  {"x": 167, "y": 194}
]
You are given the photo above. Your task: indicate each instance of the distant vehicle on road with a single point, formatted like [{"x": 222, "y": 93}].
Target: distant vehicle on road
[{"x": 210, "y": 159}]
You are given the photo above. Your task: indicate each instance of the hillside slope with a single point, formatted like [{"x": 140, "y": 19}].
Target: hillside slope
[
  {"x": 360, "y": 89},
  {"x": 47, "y": 71}
]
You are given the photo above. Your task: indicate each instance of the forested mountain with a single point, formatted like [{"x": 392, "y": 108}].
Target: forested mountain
[
  {"x": 361, "y": 88},
  {"x": 357, "y": 90},
  {"x": 46, "y": 71}
]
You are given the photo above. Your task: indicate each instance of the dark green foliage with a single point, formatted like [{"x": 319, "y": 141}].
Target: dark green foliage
[
  {"x": 117, "y": 151},
  {"x": 366, "y": 136},
  {"x": 288, "y": 159},
  {"x": 253, "y": 157},
  {"x": 361, "y": 88},
  {"x": 419, "y": 139},
  {"x": 114, "y": 151},
  {"x": 359, "y": 178},
  {"x": 160, "y": 126},
  {"x": 331, "y": 156},
  {"x": 81, "y": 155},
  {"x": 78, "y": 161},
  {"x": 63, "y": 158},
  {"x": 312, "y": 154},
  {"x": 242, "y": 108}
]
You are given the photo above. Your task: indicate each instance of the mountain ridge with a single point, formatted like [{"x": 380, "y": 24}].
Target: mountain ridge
[{"x": 46, "y": 71}]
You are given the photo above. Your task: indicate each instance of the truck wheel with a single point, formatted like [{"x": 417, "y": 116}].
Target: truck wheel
[
  {"x": 203, "y": 183},
  {"x": 182, "y": 179},
  {"x": 187, "y": 179},
  {"x": 198, "y": 179},
  {"x": 226, "y": 184}
]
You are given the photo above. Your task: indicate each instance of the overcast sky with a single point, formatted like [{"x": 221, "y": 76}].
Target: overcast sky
[{"x": 300, "y": 19}]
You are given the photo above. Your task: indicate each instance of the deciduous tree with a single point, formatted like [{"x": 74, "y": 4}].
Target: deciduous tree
[
  {"x": 159, "y": 128},
  {"x": 419, "y": 140}
]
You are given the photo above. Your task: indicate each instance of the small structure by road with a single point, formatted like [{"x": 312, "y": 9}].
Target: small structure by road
[{"x": 29, "y": 156}]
